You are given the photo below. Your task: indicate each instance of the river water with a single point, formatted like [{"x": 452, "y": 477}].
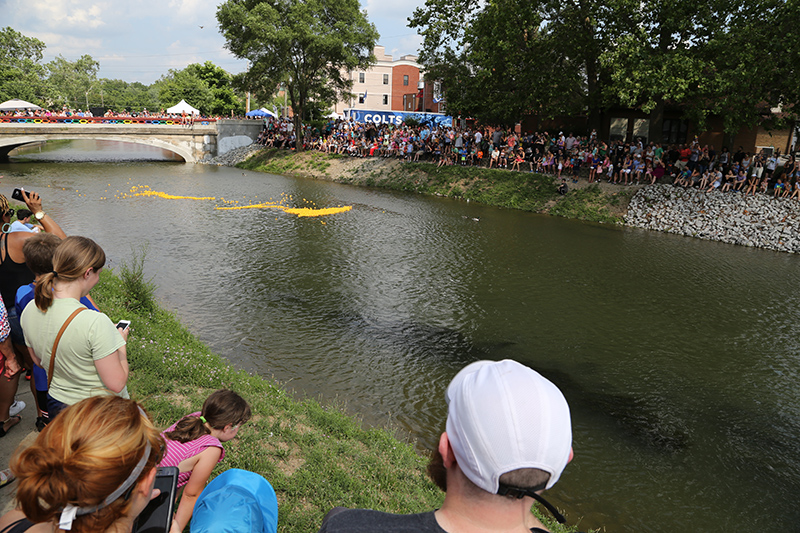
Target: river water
[{"x": 679, "y": 357}]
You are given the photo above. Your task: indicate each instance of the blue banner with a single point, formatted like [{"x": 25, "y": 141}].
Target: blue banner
[{"x": 397, "y": 117}]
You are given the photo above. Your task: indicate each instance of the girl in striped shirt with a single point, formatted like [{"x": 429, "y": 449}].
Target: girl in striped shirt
[{"x": 194, "y": 445}]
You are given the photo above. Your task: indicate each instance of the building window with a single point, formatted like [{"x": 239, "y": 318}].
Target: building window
[
  {"x": 385, "y": 99},
  {"x": 386, "y": 79},
  {"x": 641, "y": 130},
  {"x": 673, "y": 131},
  {"x": 618, "y": 129},
  {"x": 360, "y": 77},
  {"x": 362, "y": 98},
  {"x": 405, "y": 80}
]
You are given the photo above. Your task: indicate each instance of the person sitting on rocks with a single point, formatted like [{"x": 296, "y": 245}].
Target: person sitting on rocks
[
  {"x": 764, "y": 184},
  {"x": 695, "y": 177},
  {"x": 716, "y": 180},
  {"x": 778, "y": 189},
  {"x": 787, "y": 188},
  {"x": 705, "y": 179},
  {"x": 741, "y": 179},
  {"x": 796, "y": 191},
  {"x": 752, "y": 185},
  {"x": 730, "y": 177}
]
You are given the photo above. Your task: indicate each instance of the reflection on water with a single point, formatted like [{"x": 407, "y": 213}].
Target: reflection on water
[
  {"x": 679, "y": 357},
  {"x": 91, "y": 151}
]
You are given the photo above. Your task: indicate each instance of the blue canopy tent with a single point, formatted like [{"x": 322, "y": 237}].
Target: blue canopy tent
[{"x": 261, "y": 113}]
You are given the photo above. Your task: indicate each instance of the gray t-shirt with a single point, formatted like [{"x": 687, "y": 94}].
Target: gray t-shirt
[
  {"x": 341, "y": 520},
  {"x": 369, "y": 521}
]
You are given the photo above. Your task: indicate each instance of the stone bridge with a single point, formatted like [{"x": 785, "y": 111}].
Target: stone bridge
[{"x": 198, "y": 142}]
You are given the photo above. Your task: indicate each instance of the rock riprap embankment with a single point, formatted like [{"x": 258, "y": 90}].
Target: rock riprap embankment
[
  {"x": 761, "y": 220},
  {"x": 237, "y": 155}
]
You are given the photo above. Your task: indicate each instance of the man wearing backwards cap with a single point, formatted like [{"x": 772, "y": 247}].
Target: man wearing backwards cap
[{"x": 508, "y": 437}]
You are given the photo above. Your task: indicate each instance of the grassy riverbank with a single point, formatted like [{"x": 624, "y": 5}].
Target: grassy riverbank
[
  {"x": 314, "y": 455},
  {"x": 501, "y": 188}
]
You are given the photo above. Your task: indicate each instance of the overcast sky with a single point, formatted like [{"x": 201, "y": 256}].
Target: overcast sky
[{"x": 139, "y": 40}]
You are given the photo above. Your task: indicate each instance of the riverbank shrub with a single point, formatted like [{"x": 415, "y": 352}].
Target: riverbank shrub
[
  {"x": 139, "y": 289},
  {"x": 315, "y": 455}
]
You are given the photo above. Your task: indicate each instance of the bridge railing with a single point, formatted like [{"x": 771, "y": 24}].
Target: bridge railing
[{"x": 102, "y": 120}]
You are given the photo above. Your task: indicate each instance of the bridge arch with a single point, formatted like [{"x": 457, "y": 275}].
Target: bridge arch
[
  {"x": 9, "y": 143},
  {"x": 196, "y": 143}
]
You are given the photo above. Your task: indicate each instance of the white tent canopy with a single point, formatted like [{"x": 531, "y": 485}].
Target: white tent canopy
[
  {"x": 11, "y": 105},
  {"x": 334, "y": 115},
  {"x": 183, "y": 106}
]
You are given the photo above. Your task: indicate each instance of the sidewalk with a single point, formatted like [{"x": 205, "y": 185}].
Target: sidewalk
[{"x": 22, "y": 434}]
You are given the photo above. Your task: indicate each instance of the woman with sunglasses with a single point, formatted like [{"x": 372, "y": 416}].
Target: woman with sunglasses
[
  {"x": 92, "y": 470},
  {"x": 13, "y": 275}
]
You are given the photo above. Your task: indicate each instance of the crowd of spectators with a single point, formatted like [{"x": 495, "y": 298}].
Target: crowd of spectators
[
  {"x": 560, "y": 155},
  {"x": 66, "y": 112}
]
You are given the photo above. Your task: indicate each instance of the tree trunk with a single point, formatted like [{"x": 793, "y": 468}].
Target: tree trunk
[
  {"x": 593, "y": 96},
  {"x": 657, "y": 122},
  {"x": 297, "y": 118}
]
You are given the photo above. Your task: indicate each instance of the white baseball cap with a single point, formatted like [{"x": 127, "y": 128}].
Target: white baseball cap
[{"x": 503, "y": 416}]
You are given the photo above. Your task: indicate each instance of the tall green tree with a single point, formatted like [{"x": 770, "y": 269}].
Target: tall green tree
[
  {"x": 308, "y": 44},
  {"x": 501, "y": 59},
  {"x": 186, "y": 85},
  {"x": 666, "y": 53},
  {"x": 21, "y": 71},
  {"x": 756, "y": 65},
  {"x": 224, "y": 98},
  {"x": 71, "y": 82},
  {"x": 120, "y": 95}
]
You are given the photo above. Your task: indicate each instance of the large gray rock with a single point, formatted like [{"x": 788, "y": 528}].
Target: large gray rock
[{"x": 761, "y": 220}]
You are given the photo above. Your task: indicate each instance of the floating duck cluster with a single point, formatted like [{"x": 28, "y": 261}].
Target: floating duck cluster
[{"x": 284, "y": 203}]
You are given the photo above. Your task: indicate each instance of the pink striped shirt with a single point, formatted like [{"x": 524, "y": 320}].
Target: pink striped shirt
[{"x": 179, "y": 451}]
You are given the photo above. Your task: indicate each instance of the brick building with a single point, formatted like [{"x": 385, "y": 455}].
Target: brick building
[{"x": 390, "y": 85}]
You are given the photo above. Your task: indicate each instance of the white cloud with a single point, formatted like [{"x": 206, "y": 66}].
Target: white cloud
[
  {"x": 58, "y": 14},
  {"x": 69, "y": 46},
  {"x": 89, "y": 17},
  {"x": 398, "y": 10},
  {"x": 202, "y": 12}
]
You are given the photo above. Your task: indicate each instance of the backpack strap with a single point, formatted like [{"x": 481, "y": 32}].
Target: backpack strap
[{"x": 55, "y": 344}]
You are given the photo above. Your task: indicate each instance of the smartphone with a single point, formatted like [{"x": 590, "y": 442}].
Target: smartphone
[
  {"x": 157, "y": 516},
  {"x": 123, "y": 324},
  {"x": 17, "y": 195}
]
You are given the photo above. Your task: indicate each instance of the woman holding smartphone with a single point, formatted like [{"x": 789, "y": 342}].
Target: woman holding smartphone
[
  {"x": 90, "y": 357},
  {"x": 91, "y": 471}
]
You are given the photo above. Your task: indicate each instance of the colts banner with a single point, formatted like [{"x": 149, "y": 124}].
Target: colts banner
[{"x": 397, "y": 117}]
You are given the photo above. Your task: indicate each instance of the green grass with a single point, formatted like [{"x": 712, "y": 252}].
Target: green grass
[
  {"x": 501, "y": 188},
  {"x": 314, "y": 455},
  {"x": 588, "y": 203}
]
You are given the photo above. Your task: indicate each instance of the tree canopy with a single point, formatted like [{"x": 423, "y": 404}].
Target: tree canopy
[
  {"x": 70, "y": 82},
  {"x": 308, "y": 44},
  {"x": 224, "y": 98},
  {"x": 21, "y": 72},
  {"x": 501, "y": 59}
]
